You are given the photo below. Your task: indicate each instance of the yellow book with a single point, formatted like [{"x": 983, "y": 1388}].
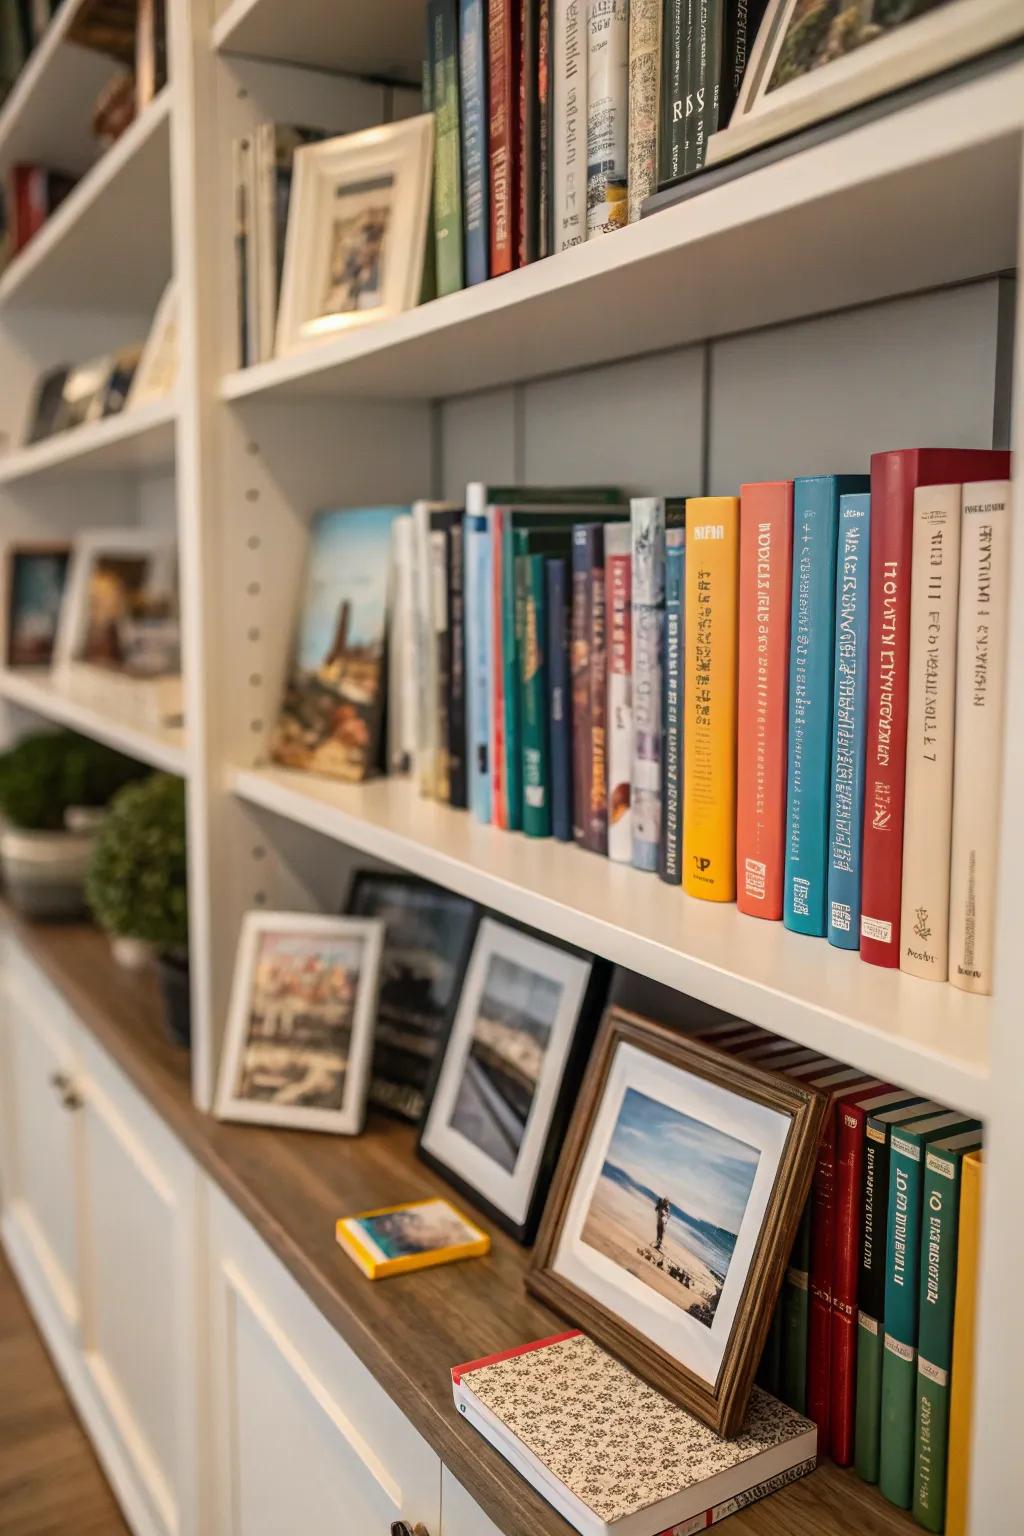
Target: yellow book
[
  {"x": 709, "y": 733},
  {"x": 416, "y": 1235},
  {"x": 961, "y": 1391}
]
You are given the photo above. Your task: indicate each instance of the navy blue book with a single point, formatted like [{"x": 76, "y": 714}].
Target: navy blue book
[
  {"x": 670, "y": 845},
  {"x": 475, "y": 206},
  {"x": 559, "y": 699},
  {"x": 849, "y": 722}
]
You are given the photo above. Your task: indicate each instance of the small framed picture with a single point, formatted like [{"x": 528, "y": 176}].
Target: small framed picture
[
  {"x": 157, "y": 370},
  {"x": 427, "y": 935},
  {"x": 33, "y": 593},
  {"x": 300, "y": 1028},
  {"x": 415, "y": 1235},
  {"x": 674, "y": 1210},
  {"x": 116, "y": 576},
  {"x": 357, "y": 229},
  {"x": 504, "y": 1084}
]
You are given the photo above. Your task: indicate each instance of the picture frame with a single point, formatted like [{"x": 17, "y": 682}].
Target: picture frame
[
  {"x": 291, "y": 1057},
  {"x": 784, "y": 91},
  {"x": 357, "y": 229},
  {"x": 35, "y": 578},
  {"x": 674, "y": 1211},
  {"x": 503, "y": 1086},
  {"x": 135, "y": 560},
  {"x": 48, "y": 414},
  {"x": 157, "y": 371},
  {"x": 428, "y": 935}
]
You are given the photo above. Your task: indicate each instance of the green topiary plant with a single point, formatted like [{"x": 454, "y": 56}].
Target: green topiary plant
[
  {"x": 136, "y": 885},
  {"x": 48, "y": 773}
]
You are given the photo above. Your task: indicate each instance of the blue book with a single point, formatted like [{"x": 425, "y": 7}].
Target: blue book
[
  {"x": 475, "y": 207},
  {"x": 849, "y": 721},
  {"x": 559, "y": 699},
  {"x": 670, "y": 845},
  {"x": 477, "y": 541},
  {"x": 811, "y": 659}
]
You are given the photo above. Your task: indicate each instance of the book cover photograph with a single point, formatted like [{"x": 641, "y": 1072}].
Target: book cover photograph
[{"x": 397, "y": 1239}]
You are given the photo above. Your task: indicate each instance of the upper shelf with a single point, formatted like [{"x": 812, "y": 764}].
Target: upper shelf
[
  {"x": 36, "y": 689},
  {"x": 931, "y": 1037},
  {"x": 108, "y": 245},
  {"x": 384, "y": 39},
  {"x": 46, "y": 117},
  {"x": 133, "y": 440},
  {"x": 862, "y": 216}
]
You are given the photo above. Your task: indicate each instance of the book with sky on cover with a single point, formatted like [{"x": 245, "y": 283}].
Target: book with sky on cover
[{"x": 398, "y": 1238}]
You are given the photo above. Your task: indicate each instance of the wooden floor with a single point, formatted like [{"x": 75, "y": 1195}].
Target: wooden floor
[{"x": 50, "y": 1481}]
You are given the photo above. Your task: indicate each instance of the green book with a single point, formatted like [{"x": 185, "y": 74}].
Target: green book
[
  {"x": 532, "y": 546},
  {"x": 871, "y": 1279},
  {"x": 940, "y": 1225},
  {"x": 795, "y": 1311},
  {"x": 908, "y": 1145},
  {"x": 443, "y": 43}
]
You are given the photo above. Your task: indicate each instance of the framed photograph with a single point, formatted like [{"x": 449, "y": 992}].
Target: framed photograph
[
  {"x": 300, "y": 1027},
  {"x": 33, "y": 593},
  {"x": 116, "y": 575},
  {"x": 48, "y": 410},
  {"x": 674, "y": 1210},
  {"x": 85, "y": 391},
  {"x": 157, "y": 370},
  {"x": 815, "y": 58},
  {"x": 427, "y": 935},
  {"x": 357, "y": 229},
  {"x": 504, "y": 1084}
]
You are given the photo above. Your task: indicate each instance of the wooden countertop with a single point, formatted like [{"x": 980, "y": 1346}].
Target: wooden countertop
[{"x": 408, "y": 1330}]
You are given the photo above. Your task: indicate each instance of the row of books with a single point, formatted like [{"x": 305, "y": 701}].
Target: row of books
[
  {"x": 755, "y": 696},
  {"x": 873, "y": 1334}
]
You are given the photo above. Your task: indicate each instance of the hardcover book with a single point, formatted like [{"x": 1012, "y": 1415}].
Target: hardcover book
[
  {"x": 961, "y": 1396},
  {"x": 528, "y": 130},
  {"x": 477, "y": 541},
  {"x": 676, "y": 31},
  {"x": 503, "y": 35},
  {"x": 619, "y": 611},
  {"x": 401, "y": 652},
  {"x": 474, "y": 121},
  {"x": 607, "y": 115},
  {"x": 649, "y": 515},
  {"x": 559, "y": 698},
  {"x": 458, "y": 792},
  {"x": 569, "y": 123},
  {"x": 722, "y": 31},
  {"x": 595, "y": 745},
  {"x": 612, "y": 1455},
  {"x": 644, "y": 84},
  {"x": 443, "y": 26},
  {"x": 766, "y": 557},
  {"x": 430, "y": 585},
  {"x": 670, "y": 846},
  {"x": 849, "y": 700},
  {"x": 398, "y": 1238}
]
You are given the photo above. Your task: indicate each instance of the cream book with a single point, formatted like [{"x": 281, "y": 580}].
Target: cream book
[
  {"x": 928, "y": 814},
  {"x": 612, "y": 1455},
  {"x": 978, "y": 753}
]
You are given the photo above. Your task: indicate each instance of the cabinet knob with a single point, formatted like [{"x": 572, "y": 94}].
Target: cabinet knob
[
  {"x": 60, "y": 1081},
  {"x": 71, "y": 1100}
]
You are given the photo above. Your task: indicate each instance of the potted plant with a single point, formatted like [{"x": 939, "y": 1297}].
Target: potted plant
[
  {"x": 137, "y": 884},
  {"x": 53, "y": 787}
]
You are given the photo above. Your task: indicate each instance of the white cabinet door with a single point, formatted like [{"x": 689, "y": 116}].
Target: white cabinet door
[
  {"x": 40, "y": 1134},
  {"x": 138, "y": 1264},
  {"x": 461, "y": 1515},
  {"x": 305, "y": 1439}
]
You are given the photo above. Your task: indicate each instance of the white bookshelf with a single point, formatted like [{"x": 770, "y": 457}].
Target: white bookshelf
[{"x": 819, "y": 307}]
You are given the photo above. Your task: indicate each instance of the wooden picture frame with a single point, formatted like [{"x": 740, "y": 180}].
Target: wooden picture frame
[{"x": 701, "y": 1352}]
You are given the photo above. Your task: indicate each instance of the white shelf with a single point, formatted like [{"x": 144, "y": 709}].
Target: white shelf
[
  {"x": 108, "y": 245},
  {"x": 46, "y": 117},
  {"x": 860, "y": 217},
  {"x": 131, "y": 441},
  {"x": 930, "y": 1037},
  {"x": 385, "y": 39},
  {"x": 36, "y": 690}
]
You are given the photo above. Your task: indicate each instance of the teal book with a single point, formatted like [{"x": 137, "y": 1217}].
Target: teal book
[
  {"x": 849, "y": 721},
  {"x": 443, "y": 43},
  {"x": 908, "y": 1148},
  {"x": 940, "y": 1226},
  {"x": 811, "y": 659},
  {"x": 531, "y": 548}
]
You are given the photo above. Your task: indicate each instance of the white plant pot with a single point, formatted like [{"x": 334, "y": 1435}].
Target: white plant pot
[
  {"x": 133, "y": 954},
  {"x": 44, "y": 872}
]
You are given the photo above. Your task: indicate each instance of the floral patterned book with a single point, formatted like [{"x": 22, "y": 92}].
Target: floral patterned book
[{"x": 614, "y": 1456}]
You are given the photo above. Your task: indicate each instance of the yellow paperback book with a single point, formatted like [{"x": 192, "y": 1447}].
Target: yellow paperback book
[
  {"x": 709, "y": 734},
  {"x": 961, "y": 1389},
  {"x": 416, "y": 1235}
]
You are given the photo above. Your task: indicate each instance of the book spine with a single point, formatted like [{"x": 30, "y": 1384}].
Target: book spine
[
  {"x": 502, "y": 60},
  {"x": 819, "y": 1319},
  {"x": 644, "y": 80},
  {"x": 672, "y": 108},
  {"x": 618, "y": 608},
  {"x": 582, "y": 722},
  {"x": 478, "y": 663},
  {"x": 444, "y": 26},
  {"x": 709, "y": 773},
  {"x": 849, "y": 723},
  {"x": 871, "y": 1299},
  {"x": 935, "y": 1342},
  {"x": 931, "y": 692},
  {"x": 499, "y": 785},
  {"x": 545, "y": 129},
  {"x": 670, "y": 844},
  {"x": 795, "y": 1310},
  {"x": 534, "y": 675},
  {"x": 704, "y": 64},
  {"x": 742, "y": 20},
  {"x": 473, "y": 56},
  {"x": 569, "y": 114},
  {"x": 443, "y": 655},
  {"x": 899, "y": 1352},
  {"x": 648, "y": 534},
  {"x": 978, "y": 753},
  {"x": 596, "y": 825},
  {"x": 527, "y": 128},
  {"x": 961, "y": 1397},
  {"x": 559, "y": 700},
  {"x": 512, "y": 695},
  {"x": 401, "y": 697},
  {"x": 457, "y": 765},
  {"x": 607, "y": 115},
  {"x": 846, "y": 1261},
  {"x": 766, "y": 555},
  {"x": 426, "y": 656}
]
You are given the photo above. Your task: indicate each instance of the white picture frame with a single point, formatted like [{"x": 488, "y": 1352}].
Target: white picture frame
[
  {"x": 157, "y": 372},
  {"x": 380, "y": 180},
  {"x": 912, "y": 50},
  {"x": 87, "y": 549},
  {"x": 297, "y": 936}
]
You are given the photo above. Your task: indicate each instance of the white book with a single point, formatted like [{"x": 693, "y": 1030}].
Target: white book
[
  {"x": 978, "y": 753},
  {"x": 426, "y": 589},
  {"x": 647, "y": 516},
  {"x": 612, "y": 1455},
  {"x": 644, "y": 99},
  {"x": 402, "y": 677},
  {"x": 607, "y": 115},
  {"x": 928, "y": 813},
  {"x": 618, "y": 549},
  {"x": 569, "y": 106}
]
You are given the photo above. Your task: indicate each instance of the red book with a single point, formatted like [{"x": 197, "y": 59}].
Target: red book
[
  {"x": 503, "y": 55},
  {"x": 766, "y": 555},
  {"x": 894, "y": 478}
]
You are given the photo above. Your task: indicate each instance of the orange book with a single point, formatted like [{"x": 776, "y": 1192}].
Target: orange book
[
  {"x": 709, "y": 734},
  {"x": 965, "y": 1316},
  {"x": 766, "y": 555}
]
